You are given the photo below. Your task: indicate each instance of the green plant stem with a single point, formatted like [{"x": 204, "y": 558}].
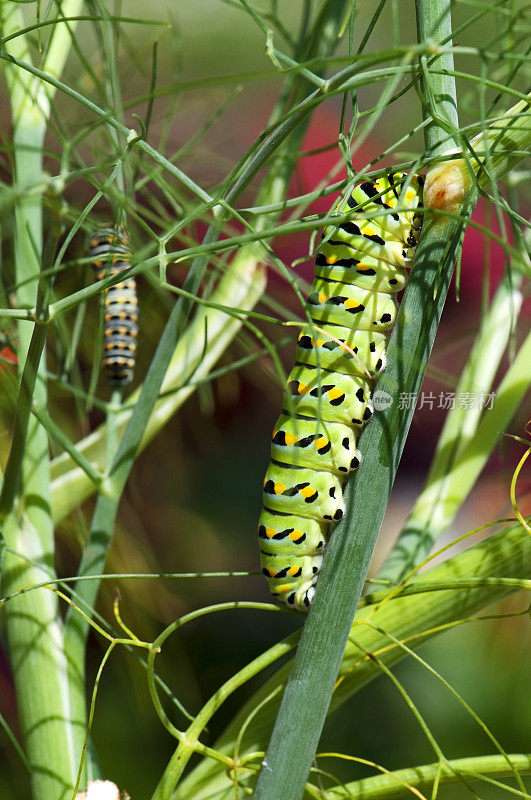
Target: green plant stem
[
  {"x": 13, "y": 472},
  {"x": 33, "y": 623},
  {"x": 394, "y": 785},
  {"x": 505, "y": 141},
  {"x": 316, "y": 664},
  {"x": 411, "y": 619},
  {"x": 56, "y": 433},
  {"x": 444, "y": 490},
  {"x": 434, "y": 24}
]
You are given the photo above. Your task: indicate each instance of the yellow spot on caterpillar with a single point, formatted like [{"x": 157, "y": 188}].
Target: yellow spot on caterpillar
[
  {"x": 334, "y": 393},
  {"x": 362, "y": 267},
  {"x": 320, "y": 342},
  {"x": 279, "y": 488},
  {"x": 322, "y": 297},
  {"x": 293, "y": 571},
  {"x": 321, "y": 442},
  {"x": 369, "y": 230},
  {"x": 307, "y": 491},
  {"x": 272, "y": 572},
  {"x": 284, "y": 588},
  {"x": 290, "y": 438},
  {"x": 296, "y": 535},
  {"x": 351, "y": 304},
  {"x": 410, "y": 195},
  {"x": 270, "y": 532},
  {"x": 331, "y": 259},
  {"x": 303, "y": 389}
]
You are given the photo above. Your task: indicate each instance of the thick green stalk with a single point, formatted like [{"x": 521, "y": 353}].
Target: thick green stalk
[
  {"x": 33, "y": 624},
  {"x": 444, "y": 491},
  {"x": 395, "y": 785},
  {"x": 505, "y": 141},
  {"x": 320, "y": 651},
  {"x": 314, "y": 671},
  {"x": 434, "y": 24},
  {"x": 412, "y": 619}
]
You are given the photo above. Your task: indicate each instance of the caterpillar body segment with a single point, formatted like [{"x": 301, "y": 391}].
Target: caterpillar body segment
[
  {"x": 337, "y": 263},
  {"x": 362, "y": 263},
  {"x": 330, "y": 396},
  {"x": 340, "y": 304},
  {"x": 309, "y": 493},
  {"x": 302, "y": 442},
  {"x": 110, "y": 252},
  {"x": 290, "y": 534},
  {"x": 349, "y": 351}
]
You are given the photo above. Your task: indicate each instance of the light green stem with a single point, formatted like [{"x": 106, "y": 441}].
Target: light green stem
[
  {"x": 434, "y": 24},
  {"x": 394, "y": 785},
  {"x": 33, "y": 624}
]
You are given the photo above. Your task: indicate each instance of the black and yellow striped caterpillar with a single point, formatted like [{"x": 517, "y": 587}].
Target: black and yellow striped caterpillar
[
  {"x": 110, "y": 252},
  {"x": 360, "y": 266}
]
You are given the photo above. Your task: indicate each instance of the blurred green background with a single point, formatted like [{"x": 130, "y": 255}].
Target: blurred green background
[{"x": 194, "y": 496}]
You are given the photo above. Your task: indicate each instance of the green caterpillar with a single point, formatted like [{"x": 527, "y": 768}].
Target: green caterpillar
[{"x": 360, "y": 266}]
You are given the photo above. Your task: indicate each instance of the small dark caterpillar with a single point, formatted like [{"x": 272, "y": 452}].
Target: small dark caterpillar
[
  {"x": 110, "y": 252},
  {"x": 361, "y": 265}
]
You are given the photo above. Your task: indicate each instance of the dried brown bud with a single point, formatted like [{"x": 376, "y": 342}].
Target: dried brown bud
[{"x": 447, "y": 185}]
